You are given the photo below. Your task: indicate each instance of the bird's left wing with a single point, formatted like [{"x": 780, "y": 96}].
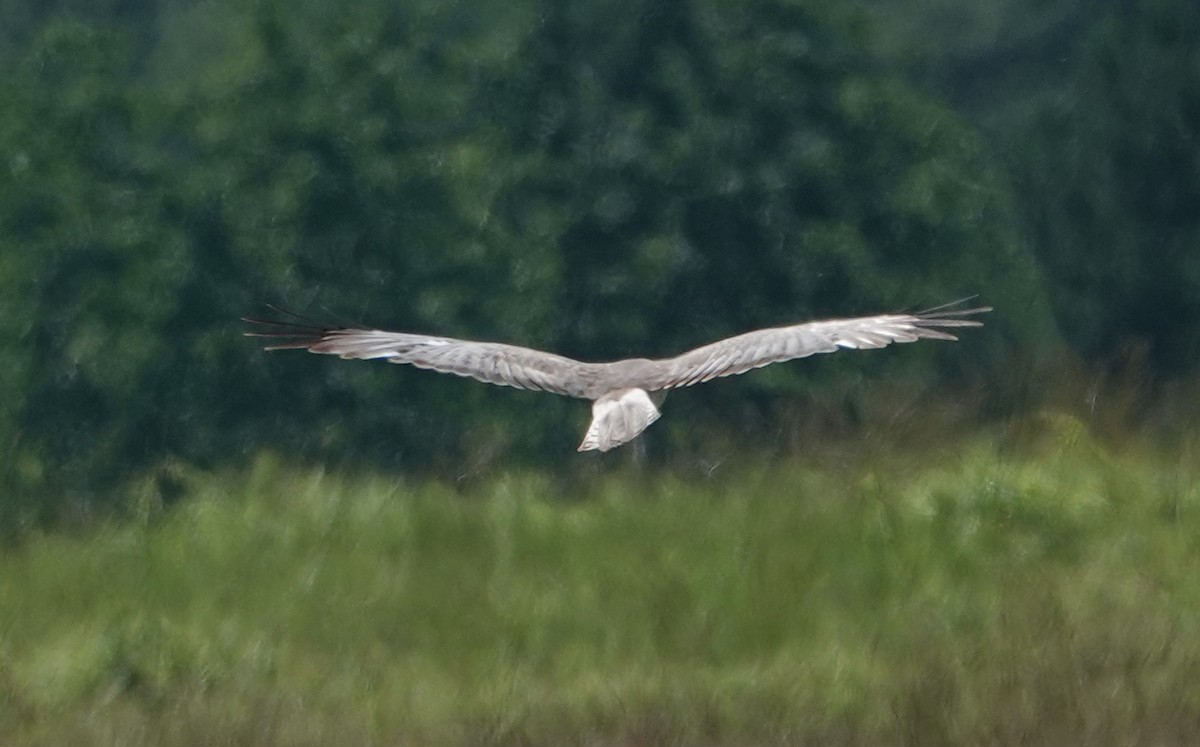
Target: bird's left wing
[
  {"x": 490, "y": 362},
  {"x": 752, "y": 350}
]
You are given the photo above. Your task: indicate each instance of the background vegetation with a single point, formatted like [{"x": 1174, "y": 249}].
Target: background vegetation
[
  {"x": 541, "y": 174},
  {"x": 991, "y": 593},
  {"x": 985, "y": 542}
]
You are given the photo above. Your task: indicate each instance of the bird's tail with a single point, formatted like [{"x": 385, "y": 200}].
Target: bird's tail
[{"x": 618, "y": 418}]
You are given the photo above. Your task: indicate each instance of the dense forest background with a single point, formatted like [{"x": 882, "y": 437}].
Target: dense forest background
[{"x": 603, "y": 179}]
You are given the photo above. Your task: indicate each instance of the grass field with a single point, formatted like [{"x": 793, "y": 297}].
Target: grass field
[{"x": 978, "y": 593}]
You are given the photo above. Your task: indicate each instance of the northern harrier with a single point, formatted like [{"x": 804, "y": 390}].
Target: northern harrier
[{"x": 619, "y": 391}]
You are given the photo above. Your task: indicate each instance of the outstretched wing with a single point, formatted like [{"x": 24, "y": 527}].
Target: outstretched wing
[
  {"x": 490, "y": 362},
  {"x": 756, "y": 349}
]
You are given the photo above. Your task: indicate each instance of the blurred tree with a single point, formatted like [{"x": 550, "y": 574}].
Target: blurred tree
[
  {"x": 708, "y": 168},
  {"x": 335, "y": 168},
  {"x": 1093, "y": 107},
  {"x": 25, "y": 20},
  {"x": 89, "y": 264},
  {"x": 1109, "y": 173},
  {"x": 343, "y": 172},
  {"x": 530, "y": 172},
  {"x": 979, "y": 56}
]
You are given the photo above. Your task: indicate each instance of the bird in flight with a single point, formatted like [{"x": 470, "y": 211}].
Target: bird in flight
[{"x": 620, "y": 391}]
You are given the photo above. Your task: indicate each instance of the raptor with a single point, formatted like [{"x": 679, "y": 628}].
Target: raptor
[{"x": 620, "y": 391}]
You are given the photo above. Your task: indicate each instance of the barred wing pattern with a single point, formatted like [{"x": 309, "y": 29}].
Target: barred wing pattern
[
  {"x": 621, "y": 407},
  {"x": 736, "y": 355},
  {"x": 489, "y": 362}
]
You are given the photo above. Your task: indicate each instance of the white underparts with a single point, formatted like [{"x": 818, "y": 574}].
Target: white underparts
[{"x": 617, "y": 418}]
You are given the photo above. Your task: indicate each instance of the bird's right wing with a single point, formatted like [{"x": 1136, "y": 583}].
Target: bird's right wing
[
  {"x": 762, "y": 347},
  {"x": 490, "y": 362}
]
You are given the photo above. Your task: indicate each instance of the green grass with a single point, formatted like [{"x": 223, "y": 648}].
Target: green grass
[{"x": 976, "y": 594}]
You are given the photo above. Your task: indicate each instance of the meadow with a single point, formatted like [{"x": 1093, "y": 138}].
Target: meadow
[{"x": 978, "y": 590}]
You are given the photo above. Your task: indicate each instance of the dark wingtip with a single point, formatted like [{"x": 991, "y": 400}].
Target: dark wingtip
[
  {"x": 955, "y": 308},
  {"x": 953, "y": 314},
  {"x": 934, "y": 320},
  {"x": 298, "y": 332}
]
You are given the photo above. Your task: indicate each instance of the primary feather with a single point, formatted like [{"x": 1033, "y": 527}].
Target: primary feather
[{"x": 615, "y": 384}]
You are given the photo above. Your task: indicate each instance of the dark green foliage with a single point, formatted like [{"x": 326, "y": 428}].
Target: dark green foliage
[
  {"x": 1095, "y": 108},
  {"x": 720, "y": 167},
  {"x": 1114, "y": 182},
  {"x": 91, "y": 264},
  {"x": 604, "y": 179}
]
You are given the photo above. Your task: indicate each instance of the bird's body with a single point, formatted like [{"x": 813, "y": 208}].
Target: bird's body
[{"x": 622, "y": 407}]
